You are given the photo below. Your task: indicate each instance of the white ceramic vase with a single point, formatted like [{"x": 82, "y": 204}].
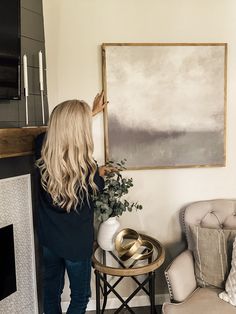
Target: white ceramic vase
[{"x": 106, "y": 233}]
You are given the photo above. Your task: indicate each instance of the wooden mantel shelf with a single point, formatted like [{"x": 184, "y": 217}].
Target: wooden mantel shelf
[{"x": 18, "y": 141}]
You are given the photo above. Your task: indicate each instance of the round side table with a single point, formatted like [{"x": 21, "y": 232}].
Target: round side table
[{"x": 107, "y": 263}]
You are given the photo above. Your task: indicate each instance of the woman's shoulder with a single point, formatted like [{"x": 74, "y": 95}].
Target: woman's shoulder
[
  {"x": 38, "y": 144},
  {"x": 39, "y": 139}
]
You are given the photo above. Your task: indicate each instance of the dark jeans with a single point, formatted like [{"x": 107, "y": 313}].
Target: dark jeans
[{"x": 79, "y": 273}]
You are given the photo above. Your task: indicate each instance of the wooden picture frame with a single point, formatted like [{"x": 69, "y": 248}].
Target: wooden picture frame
[{"x": 167, "y": 104}]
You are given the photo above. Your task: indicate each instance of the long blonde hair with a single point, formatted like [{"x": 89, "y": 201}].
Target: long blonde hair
[{"x": 66, "y": 165}]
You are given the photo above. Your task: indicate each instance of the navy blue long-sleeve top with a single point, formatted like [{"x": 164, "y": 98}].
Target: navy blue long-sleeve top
[{"x": 69, "y": 235}]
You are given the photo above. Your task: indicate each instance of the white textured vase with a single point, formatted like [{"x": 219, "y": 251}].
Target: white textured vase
[{"x": 106, "y": 233}]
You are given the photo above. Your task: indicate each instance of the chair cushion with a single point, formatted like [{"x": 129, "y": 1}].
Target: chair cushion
[
  {"x": 180, "y": 276},
  {"x": 229, "y": 295},
  {"x": 203, "y": 300},
  {"x": 212, "y": 249}
]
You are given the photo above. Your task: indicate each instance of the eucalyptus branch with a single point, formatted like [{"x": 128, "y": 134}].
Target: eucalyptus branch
[{"x": 110, "y": 202}]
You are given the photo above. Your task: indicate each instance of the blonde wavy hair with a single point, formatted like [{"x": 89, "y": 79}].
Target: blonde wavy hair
[{"x": 66, "y": 165}]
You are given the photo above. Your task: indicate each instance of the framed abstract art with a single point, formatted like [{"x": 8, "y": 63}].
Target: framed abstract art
[{"x": 167, "y": 104}]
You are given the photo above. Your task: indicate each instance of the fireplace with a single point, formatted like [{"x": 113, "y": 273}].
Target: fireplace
[{"x": 16, "y": 221}]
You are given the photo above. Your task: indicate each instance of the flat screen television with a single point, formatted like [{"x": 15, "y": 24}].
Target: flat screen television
[{"x": 9, "y": 49}]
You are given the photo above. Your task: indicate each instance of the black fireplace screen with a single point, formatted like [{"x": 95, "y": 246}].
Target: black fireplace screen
[{"x": 7, "y": 262}]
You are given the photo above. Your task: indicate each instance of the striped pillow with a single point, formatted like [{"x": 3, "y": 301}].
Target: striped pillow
[
  {"x": 229, "y": 295},
  {"x": 212, "y": 249}
]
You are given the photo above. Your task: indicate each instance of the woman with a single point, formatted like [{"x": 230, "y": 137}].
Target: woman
[{"x": 67, "y": 177}]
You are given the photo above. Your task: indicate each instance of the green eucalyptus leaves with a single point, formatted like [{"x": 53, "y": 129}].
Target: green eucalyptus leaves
[{"x": 110, "y": 202}]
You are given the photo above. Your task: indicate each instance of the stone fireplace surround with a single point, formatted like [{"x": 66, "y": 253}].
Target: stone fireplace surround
[{"x": 17, "y": 207}]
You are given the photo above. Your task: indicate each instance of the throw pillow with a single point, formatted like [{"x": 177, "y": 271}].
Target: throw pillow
[
  {"x": 212, "y": 249},
  {"x": 229, "y": 295}
]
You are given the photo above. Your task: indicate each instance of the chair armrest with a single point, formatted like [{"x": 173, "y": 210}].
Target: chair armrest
[{"x": 180, "y": 277}]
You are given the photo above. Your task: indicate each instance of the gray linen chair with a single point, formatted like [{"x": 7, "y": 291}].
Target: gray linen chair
[{"x": 186, "y": 297}]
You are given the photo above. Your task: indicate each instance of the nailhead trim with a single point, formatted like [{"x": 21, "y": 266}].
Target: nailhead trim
[{"x": 169, "y": 286}]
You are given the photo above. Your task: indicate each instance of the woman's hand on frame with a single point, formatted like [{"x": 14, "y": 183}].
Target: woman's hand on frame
[{"x": 98, "y": 103}]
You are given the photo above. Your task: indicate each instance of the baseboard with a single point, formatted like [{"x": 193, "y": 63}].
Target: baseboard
[{"x": 114, "y": 303}]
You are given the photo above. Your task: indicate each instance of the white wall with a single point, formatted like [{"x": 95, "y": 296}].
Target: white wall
[{"x": 75, "y": 29}]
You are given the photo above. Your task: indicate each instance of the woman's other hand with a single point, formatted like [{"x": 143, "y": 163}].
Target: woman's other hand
[
  {"x": 104, "y": 170},
  {"x": 98, "y": 103}
]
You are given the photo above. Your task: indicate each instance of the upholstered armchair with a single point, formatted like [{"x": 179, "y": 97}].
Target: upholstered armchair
[{"x": 185, "y": 294}]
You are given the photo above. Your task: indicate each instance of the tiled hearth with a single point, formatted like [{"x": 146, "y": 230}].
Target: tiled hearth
[{"x": 16, "y": 209}]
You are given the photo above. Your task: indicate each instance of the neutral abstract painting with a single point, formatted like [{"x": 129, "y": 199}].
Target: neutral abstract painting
[{"x": 166, "y": 104}]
